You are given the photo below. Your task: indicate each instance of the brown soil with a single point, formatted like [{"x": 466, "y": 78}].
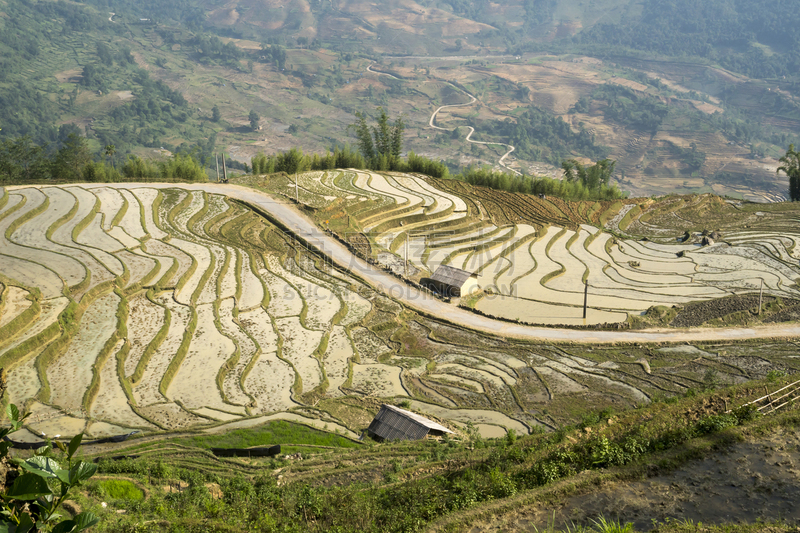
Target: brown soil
[
  {"x": 749, "y": 482},
  {"x": 698, "y": 313}
]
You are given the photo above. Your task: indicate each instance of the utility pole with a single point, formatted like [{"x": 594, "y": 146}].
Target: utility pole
[
  {"x": 760, "y": 295},
  {"x": 224, "y": 169},
  {"x": 216, "y": 157},
  {"x": 296, "y": 189},
  {"x": 585, "y": 297}
]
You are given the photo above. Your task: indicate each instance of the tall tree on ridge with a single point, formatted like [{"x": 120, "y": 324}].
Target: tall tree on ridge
[{"x": 791, "y": 167}]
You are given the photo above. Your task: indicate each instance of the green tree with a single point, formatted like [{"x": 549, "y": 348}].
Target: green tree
[
  {"x": 71, "y": 158},
  {"x": 215, "y": 114},
  {"x": 593, "y": 177},
  {"x": 22, "y": 159},
  {"x": 791, "y": 167},
  {"x": 381, "y": 141},
  {"x": 254, "y": 119},
  {"x": 110, "y": 151},
  {"x": 290, "y": 162}
]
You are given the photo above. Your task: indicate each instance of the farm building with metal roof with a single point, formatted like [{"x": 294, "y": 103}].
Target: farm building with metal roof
[
  {"x": 393, "y": 423},
  {"x": 452, "y": 281}
]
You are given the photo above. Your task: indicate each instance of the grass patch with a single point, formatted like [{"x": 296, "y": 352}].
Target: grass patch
[
  {"x": 116, "y": 489},
  {"x": 275, "y": 432}
]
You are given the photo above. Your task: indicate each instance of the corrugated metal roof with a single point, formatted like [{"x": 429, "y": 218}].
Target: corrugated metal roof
[
  {"x": 452, "y": 276},
  {"x": 393, "y": 423}
]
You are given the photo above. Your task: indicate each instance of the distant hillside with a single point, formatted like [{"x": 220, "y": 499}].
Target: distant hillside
[{"x": 686, "y": 107}]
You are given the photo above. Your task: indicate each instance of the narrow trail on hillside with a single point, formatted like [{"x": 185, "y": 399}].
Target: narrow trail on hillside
[{"x": 468, "y": 138}]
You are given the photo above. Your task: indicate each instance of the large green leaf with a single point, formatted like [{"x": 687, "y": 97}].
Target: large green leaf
[
  {"x": 25, "y": 524},
  {"x": 13, "y": 412},
  {"x": 81, "y": 472},
  {"x": 45, "y": 467},
  {"x": 67, "y": 526},
  {"x": 74, "y": 444},
  {"x": 28, "y": 487},
  {"x": 85, "y": 521}
]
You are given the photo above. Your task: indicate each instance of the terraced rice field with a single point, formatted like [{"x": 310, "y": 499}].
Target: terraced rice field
[
  {"x": 177, "y": 315},
  {"x": 534, "y": 256},
  {"x": 157, "y": 308}
]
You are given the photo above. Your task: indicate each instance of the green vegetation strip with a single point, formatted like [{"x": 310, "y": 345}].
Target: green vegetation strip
[
  {"x": 121, "y": 213},
  {"x": 154, "y": 344},
  {"x": 63, "y": 220},
  {"x": 180, "y": 355},
  {"x": 610, "y": 213},
  {"x": 19, "y": 205},
  {"x": 120, "y": 332},
  {"x": 276, "y": 432},
  {"x": 629, "y": 217},
  {"x": 9, "y": 358},
  {"x": 548, "y": 246},
  {"x": 142, "y": 218},
  {"x": 179, "y": 207},
  {"x": 155, "y": 208},
  {"x": 142, "y": 283},
  {"x": 83, "y": 224},
  {"x": 203, "y": 280},
  {"x": 36, "y": 211},
  {"x": 21, "y": 321},
  {"x": 164, "y": 280},
  {"x": 230, "y": 364},
  {"x": 69, "y": 322}
]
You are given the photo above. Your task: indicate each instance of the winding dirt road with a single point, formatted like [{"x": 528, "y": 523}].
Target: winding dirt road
[
  {"x": 468, "y": 138},
  {"x": 432, "y": 124},
  {"x": 289, "y": 217}
]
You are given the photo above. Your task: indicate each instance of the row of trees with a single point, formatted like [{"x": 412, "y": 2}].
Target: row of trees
[
  {"x": 23, "y": 161},
  {"x": 380, "y": 147},
  {"x": 296, "y": 161},
  {"x": 584, "y": 183}
]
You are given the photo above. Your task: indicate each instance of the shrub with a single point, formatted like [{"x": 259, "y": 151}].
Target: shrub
[
  {"x": 715, "y": 423},
  {"x": 40, "y": 475}
]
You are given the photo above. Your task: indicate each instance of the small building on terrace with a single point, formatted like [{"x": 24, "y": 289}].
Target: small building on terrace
[
  {"x": 393, "y": 423},
  {"x": 454, "y": 282}
]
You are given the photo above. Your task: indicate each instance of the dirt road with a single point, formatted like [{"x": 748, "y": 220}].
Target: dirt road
[{"x": 432, "y": 122}]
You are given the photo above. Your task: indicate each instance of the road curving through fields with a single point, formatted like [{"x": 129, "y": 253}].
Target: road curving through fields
[
  {"x": 288, "y": 217},
  {"x": 432, "y": 122}
]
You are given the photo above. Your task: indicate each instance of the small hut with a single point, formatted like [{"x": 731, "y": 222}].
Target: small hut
[
  {"x": 452, "y": 281},
  {"x": 393, "y": 423}
]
